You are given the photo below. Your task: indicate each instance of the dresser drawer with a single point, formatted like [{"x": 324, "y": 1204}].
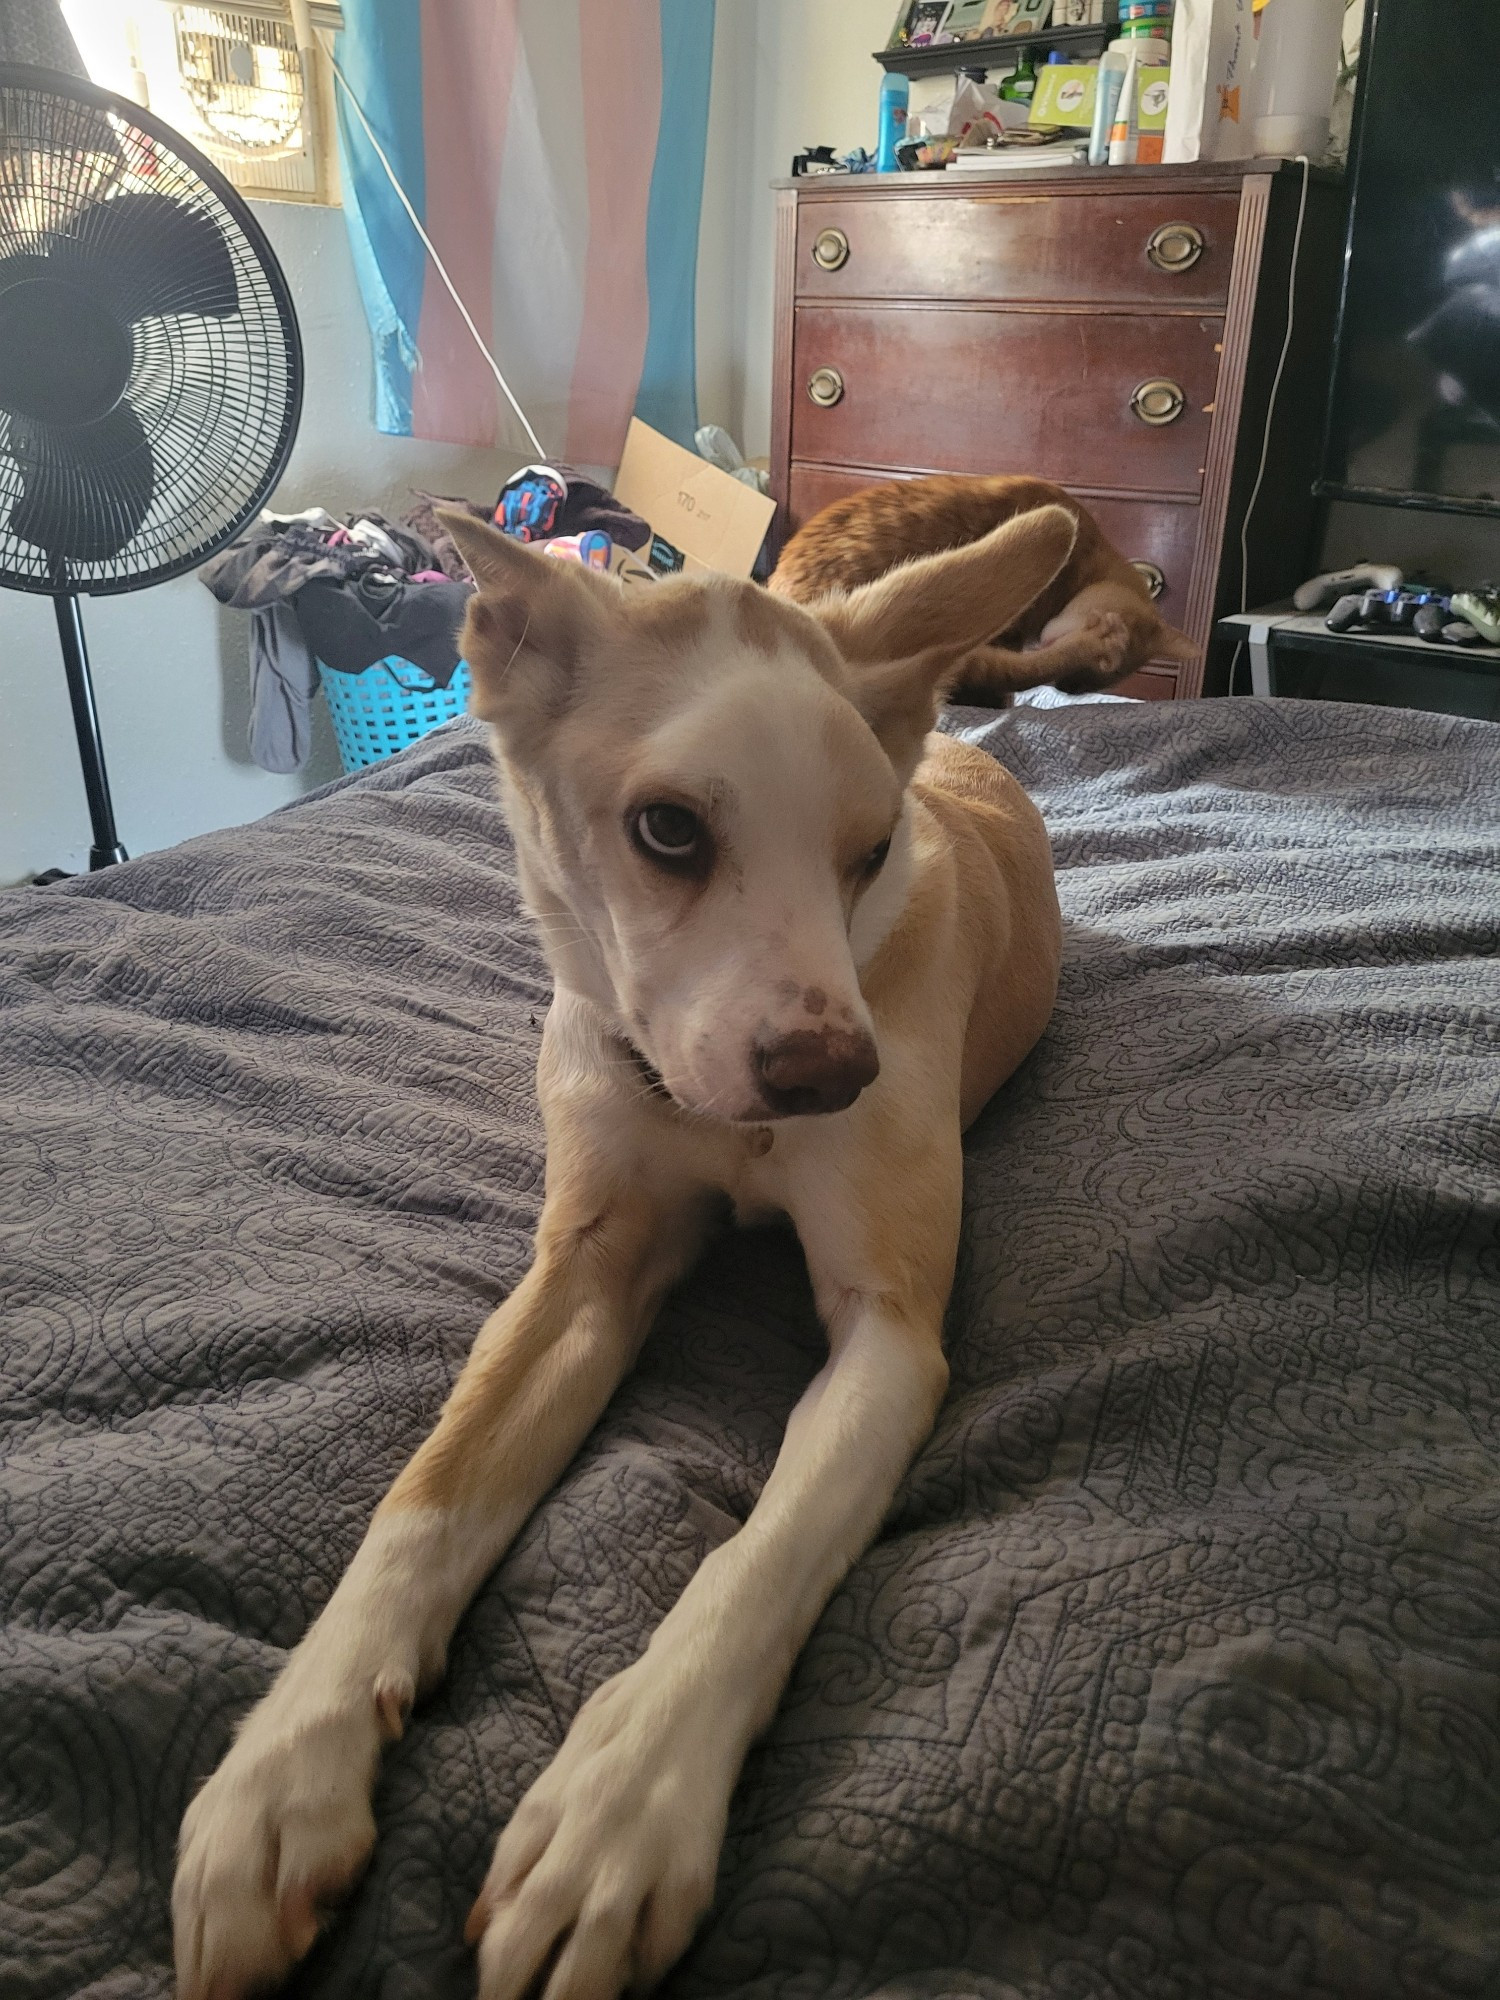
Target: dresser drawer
[
  {"x": 1160, "y": 532},
  {"x": 1156, "y": 682},
  {"x": 967, "y": 390},
  {"x": 814, "y": 487},
  {"x": 1168, "y": 249}
]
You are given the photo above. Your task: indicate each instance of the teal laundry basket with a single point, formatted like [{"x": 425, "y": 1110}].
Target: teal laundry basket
[{"x": 388, "y": 707}]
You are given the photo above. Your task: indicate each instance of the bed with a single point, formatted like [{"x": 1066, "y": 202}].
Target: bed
[{"x": 1175, "y": 1673}]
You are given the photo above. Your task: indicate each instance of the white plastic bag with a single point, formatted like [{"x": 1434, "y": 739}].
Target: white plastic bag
[
  {"x": 1213, "y": 54},
  {"x": 961, "y": 110}
]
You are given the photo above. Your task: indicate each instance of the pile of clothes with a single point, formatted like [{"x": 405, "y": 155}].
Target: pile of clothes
[{"x": 338, "y": 595}]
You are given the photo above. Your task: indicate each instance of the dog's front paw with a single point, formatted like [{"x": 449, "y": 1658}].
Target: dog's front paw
[
  {"x": 1106, "y": 638},
  {"x": 608, "y": 1865},
  {"x": 281, "y": 1830}
]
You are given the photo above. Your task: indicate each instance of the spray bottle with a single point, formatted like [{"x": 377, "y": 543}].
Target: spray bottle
[{"x": 895, "y": 96}]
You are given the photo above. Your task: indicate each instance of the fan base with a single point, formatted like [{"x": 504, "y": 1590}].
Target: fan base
[{"x": 99, "y": 857}]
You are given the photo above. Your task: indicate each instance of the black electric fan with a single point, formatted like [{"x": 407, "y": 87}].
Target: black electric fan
[{"x": 150, "y": 365}]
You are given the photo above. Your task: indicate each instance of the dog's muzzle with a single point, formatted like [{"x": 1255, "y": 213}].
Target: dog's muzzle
[{"x": 814, "y": 1070}]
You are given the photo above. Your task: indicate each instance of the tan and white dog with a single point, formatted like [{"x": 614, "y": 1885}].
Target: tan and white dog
[{"x": 797, "y": 944}]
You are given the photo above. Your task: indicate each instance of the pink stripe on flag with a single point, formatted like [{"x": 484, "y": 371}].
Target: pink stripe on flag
[
  {"x": 621, "y": 114},
  {"x": 469, "y": 54}
]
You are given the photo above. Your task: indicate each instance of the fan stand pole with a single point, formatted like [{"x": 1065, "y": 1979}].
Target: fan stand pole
[{"x": 106, "y": 849}]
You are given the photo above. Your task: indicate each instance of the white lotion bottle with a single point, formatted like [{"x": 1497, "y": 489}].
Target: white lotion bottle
[{"x": 1112, "y": 66}]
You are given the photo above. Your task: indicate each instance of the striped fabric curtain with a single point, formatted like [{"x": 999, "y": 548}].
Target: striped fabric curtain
[{"x": 553, "y": 150}]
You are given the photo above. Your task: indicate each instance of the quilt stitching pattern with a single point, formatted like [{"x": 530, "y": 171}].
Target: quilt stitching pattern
[{"x": 1175, "y": 1674}]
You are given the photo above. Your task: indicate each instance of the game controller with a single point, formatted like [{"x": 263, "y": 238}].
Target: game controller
[
  {"x": 1389, "y": 610},
  {"x": 1427, "y": 613},
  {"x": 1481, "y": 609},
  {"x": 1321, "y": 591}
]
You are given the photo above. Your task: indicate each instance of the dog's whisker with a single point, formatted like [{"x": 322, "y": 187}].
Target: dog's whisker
[{"x": 505, "y": 670}]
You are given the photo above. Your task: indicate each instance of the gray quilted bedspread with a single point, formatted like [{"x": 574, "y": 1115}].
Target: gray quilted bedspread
[{"x": 1174, "y": 1674}]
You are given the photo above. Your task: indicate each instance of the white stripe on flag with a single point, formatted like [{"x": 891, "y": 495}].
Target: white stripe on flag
[{"x": 542, "y": 225}]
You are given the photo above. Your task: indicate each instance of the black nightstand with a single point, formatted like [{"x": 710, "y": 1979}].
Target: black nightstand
[{"x": 1292, "y": 654}]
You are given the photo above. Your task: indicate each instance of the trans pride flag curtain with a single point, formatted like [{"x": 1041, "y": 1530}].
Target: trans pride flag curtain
[{"x": 554, "y": 151}]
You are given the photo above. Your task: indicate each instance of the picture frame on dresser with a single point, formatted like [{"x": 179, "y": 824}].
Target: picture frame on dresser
[
  {"x": 920, "y": 22},
  {"x": 1117, "y": 331},
  {"x": 966, "y": 19}
]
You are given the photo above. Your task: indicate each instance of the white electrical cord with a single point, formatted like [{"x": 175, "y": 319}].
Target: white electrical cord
[
  {"x": 390, "y": 174},
  {"x": 1265, "y": 443}
]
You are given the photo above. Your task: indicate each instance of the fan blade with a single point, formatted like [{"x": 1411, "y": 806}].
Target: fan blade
[
  {"x": 85, "y": 491},
  {"x": 149, "y": 254},
  {"x": 18, "y": 267}
]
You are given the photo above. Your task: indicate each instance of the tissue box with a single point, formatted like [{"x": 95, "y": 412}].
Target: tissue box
[{"x": 1065, "y": 94}]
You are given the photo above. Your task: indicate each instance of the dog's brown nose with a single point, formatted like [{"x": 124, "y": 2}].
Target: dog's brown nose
[{"x": 815, "y": 1069}]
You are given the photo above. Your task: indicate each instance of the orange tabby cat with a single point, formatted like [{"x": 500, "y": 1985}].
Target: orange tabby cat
[{"x": 1092, "y": 625}]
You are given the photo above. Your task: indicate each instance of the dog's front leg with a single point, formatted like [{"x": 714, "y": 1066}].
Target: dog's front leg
[
  {"x": 609, "y": 1862},
  {"x": 284, "y": 1825}
]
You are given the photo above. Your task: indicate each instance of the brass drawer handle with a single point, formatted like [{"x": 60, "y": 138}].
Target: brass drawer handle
[
  {"x": 1153, "y": 578},
  {"x": 1176, "y": 246},
  {"x": 830, "y": 250},
  {"x": 1158, "y": 402},
  {"x": 826, "y": 387}
]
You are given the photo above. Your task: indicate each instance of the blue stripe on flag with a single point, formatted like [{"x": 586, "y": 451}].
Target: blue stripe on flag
[
  {"x": 668, "y": 396},
  {"x": 380, "y": 52}
]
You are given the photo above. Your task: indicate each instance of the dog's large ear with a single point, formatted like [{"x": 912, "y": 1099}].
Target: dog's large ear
[
  {"x": 1170, "y": 644},
  {"x": 530, "y": 621},
  {"x": 902, "y": 633}
]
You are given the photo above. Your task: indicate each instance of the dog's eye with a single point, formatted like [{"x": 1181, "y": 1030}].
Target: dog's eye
[
  {"x": 874, "y": 861},
  {"x": 671, "y": 833}
]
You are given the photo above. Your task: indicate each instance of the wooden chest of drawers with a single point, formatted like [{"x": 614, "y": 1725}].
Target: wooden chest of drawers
[{"x": 1117, "y": 331}]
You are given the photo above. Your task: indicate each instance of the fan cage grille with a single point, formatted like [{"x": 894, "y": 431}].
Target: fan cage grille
[{"x": 217, "y": 397}]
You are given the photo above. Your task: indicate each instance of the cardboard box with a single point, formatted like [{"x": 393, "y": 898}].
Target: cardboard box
[
  {"x": 701, "y": 517},
  {"x": 1151, "y": 105},
  {"x": 1066, "y": 93}
]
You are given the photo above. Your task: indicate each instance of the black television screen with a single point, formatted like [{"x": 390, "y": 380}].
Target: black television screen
[{"x": 1414, "y": 418}]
